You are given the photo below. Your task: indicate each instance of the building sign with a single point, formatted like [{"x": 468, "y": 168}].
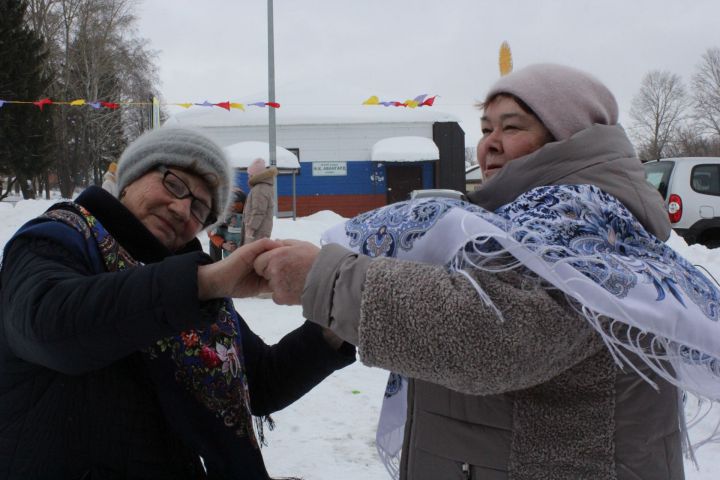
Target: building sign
[{"x": 329, "y": 169}]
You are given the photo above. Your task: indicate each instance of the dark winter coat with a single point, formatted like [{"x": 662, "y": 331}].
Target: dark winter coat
[
  {"x": 76, "y": 399},
  {"x": 536, "y": 397}
]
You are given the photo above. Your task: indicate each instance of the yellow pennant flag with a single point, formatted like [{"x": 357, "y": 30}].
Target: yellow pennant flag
[
  {"x": 505, "y": 60},
  {"x": 184, "y": 105},
  {"x": 78, "y": 103},
  {"x": 238, "y": 106},
  {"x": 411, "y": 103},
  {"x": 372, "y": 101}
]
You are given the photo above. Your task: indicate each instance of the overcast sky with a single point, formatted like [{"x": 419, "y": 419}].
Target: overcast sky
[{"x": 217, "y": 49}]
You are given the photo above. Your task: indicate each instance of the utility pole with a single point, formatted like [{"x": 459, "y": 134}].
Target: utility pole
[{"x": 271, "y": 98}]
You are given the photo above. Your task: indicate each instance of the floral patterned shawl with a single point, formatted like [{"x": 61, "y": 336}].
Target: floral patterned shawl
[{"x": 205, "y": 365}]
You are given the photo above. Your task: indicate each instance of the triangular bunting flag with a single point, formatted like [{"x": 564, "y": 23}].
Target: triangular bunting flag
[
  {"x": 372, "y": 101},
  {"x": 429, "y": 102},
  {"x": 41, "y": 103}
]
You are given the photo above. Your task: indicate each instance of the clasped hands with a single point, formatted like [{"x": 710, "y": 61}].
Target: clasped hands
[{"x": 277, "y": 266}]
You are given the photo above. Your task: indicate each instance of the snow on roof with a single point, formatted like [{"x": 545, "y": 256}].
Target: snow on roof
[
  {"x": 404, "y": 149},
  {"x": 241, "y": 154},
  {"x": 289, "y": 114},
  {"x": 308, "y": 104}
]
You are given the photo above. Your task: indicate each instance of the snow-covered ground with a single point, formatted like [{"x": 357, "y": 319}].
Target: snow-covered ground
[{"x": 329, "y": 434}]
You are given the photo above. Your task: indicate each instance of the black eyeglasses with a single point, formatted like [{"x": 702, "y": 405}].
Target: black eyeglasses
[{"x": 179, "y": 189}]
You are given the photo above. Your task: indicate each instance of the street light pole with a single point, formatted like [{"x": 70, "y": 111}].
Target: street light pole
[{"x": 271, "y": 98}]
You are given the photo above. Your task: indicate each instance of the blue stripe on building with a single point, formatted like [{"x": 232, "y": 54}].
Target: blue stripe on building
[{"x": 363, "y": 178}]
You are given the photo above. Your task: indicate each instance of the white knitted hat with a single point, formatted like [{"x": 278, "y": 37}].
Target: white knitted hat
[
  {"x": 183, "y": 148},
  {"x": 566, "y": 100}
]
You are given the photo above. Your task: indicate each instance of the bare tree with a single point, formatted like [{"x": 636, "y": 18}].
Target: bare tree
[
  {"x": 706, "y": 93},
  {"x": 657, "y": 111},
  {"x": 688, "y": 143},
  {"x": 96, "y": 56}
]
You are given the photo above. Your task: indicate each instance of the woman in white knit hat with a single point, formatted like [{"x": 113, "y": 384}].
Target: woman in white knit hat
[
  {"x": 122, "y": 353},
  {"x": 551, "y": 280}
]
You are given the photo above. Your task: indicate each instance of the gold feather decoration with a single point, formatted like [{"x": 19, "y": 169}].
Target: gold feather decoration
[{"x": 506, "y": 63}]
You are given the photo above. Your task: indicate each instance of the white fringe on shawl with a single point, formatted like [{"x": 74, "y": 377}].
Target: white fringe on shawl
[{"x": 630, "y": 286}]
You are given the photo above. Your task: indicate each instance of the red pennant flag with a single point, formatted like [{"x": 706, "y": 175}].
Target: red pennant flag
[
  {"x": 429, "y": 102},
  {"x": 225, "y": 105},
  {"x": 273, "y": 104},
  {"x": 110, "y": 105},
  {"x": 41, "y": 103},
  {"x": 399, "y": 104}
]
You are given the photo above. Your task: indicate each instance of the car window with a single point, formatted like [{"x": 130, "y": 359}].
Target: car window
[
  {"x": 657, "y": 174},
  {"x": 706, "y": 179}
]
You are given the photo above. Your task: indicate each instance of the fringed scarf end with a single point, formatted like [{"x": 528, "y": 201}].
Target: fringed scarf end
[{"x": 260, "y": 423}]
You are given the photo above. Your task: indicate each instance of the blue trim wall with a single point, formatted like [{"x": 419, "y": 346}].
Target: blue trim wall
[{"x": 363, "y": 178}]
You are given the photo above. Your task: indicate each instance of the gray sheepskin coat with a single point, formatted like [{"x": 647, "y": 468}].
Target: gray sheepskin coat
[{"x": 537, "y": 396}]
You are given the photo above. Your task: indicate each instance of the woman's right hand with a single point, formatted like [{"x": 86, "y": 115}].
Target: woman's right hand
[{"x": 234, "y": 275}]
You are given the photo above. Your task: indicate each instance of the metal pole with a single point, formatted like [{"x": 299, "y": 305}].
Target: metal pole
[
  {"x": 271, "y": 98},
  {"x": 151, "y": 115}
]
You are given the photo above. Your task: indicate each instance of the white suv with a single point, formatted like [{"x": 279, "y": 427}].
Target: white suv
[{"x": 691, "y": 189}]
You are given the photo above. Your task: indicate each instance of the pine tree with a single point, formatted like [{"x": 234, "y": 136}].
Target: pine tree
[{"x": 24, "y": 128}]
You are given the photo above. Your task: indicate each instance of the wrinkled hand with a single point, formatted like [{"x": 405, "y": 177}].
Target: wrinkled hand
[
  {"x": 229, "y": 246},
  {"x": 285, "y": 269},
  {"x": 234, "y": 275}
]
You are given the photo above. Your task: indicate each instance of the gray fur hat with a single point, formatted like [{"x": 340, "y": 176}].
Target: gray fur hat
[
  {"x": 566, "y": 100},
  {"x": 182, "y": 148}
]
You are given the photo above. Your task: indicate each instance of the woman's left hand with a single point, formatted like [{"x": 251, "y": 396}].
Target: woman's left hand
[
  {"x": 286, "y": 269},
  {"x": 234, "y": 275}
]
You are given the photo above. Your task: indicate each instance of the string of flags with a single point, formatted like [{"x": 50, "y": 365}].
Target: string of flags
[
  {"x": 419, "y": 101},
  {"x": 43, "y": 102}
]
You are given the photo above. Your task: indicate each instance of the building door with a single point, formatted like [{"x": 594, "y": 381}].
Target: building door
[{"x": 401, "y": 180}]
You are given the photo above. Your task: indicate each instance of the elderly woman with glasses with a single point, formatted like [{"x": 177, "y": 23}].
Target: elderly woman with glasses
[{"x": 121, "y": 354}]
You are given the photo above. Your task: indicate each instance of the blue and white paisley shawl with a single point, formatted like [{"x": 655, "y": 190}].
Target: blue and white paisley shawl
[{"x": 583, "y": 242}]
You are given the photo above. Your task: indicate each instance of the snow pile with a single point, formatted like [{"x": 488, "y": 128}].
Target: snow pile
[
  {"x": 327, "y": 217},
  {"x": 708, "y": 260}
]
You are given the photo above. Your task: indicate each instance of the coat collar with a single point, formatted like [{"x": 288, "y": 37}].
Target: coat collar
[{"x": 266, "y": 176}]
